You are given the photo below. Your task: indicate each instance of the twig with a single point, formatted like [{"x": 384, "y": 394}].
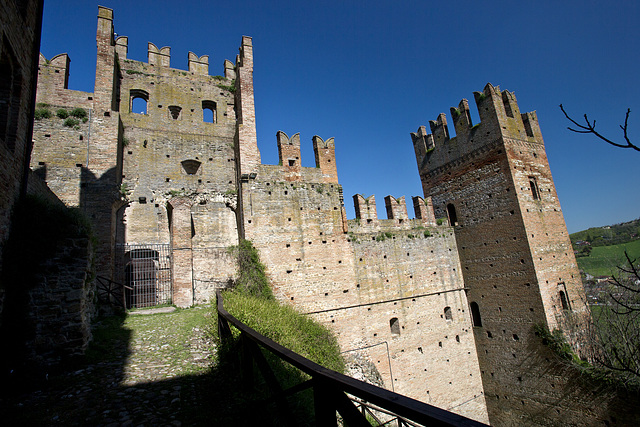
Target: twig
[{"x": 590, "y": 127}]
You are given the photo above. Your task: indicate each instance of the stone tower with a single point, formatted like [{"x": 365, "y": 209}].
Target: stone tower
[{"x": 493, "y": 184}]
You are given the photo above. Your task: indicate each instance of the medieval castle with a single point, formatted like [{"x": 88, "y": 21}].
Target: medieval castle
[{"x": 165, "y": 163}]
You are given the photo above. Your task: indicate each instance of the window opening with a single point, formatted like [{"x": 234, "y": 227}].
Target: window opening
[
  {"x": 564, "y": 301},
  {"x": 190, "y": 166},
  {"x": 448, "y": 315},
  {"x": 209, "y": 112},
  {"x": 138, "y": 101},
  {"x": 174, "y": 111},
  {"x": 394, "y": 324},
  {"x": 533, "y": 184},
  {"x": 451, "y": 212},
  {"x": 475, "y": 314}
]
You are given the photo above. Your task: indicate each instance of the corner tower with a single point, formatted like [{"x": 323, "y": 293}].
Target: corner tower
[{"x": 493, "y": 184}]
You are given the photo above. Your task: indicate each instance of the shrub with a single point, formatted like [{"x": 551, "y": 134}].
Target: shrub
[
  {"x": 440, "y": 221},
  {"x": 62, "y": 113},
  {"x": 71, "y": 122},
  {"x": 252, "y": 278},
  {"x": 427, "y": 233},
  {"x": 42, "y": 113},
  {"x": 79, "y": 113}
]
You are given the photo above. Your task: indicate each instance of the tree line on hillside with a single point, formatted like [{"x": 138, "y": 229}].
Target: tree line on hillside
[{"x": 607, "y": 235}]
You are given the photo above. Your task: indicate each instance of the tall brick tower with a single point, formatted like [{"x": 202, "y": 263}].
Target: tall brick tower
[{"x": 493, "y": 184}]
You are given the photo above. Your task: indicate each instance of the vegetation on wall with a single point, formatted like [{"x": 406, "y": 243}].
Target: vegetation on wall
[
  {"x": 252, "y": 278},
  {"x": 42, "y": 113},
  {"x": 555, "y": 340},
  {"x": 284, "y": 325},
  {"x": 252, "y": 302}
]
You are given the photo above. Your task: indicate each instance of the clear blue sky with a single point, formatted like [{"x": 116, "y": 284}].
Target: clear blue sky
[{"x": 370, "y": 72}]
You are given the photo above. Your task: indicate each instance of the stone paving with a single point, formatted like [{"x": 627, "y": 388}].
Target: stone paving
[{"x": 145, "y": 370}]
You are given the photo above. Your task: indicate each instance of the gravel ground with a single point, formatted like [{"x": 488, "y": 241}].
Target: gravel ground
[{"x": 141, "y": 370}]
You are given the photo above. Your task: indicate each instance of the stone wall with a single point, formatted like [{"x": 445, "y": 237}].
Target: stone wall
[
  {"x": 62, "y": 304},
  {"x": 367, "y": 281}
]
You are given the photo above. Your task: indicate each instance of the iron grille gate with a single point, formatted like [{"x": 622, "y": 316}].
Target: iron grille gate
[{"x": 146, "y": 271}]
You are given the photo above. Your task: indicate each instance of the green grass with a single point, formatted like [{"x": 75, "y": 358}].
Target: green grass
[
  {"x": 287, "y": 327},
  {"x": 604, "y": 259}
]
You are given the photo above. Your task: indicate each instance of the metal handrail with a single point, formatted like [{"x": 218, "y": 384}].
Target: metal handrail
[{"x": 326, "y": 380}]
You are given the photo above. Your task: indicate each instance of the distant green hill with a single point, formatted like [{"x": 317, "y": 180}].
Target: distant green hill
[
  {"x": 603, "y": 259},
  {"x": 608, "y": 235}
]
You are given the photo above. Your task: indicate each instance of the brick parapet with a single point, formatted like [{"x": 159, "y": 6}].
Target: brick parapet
[{"x": 499, "y": 117}]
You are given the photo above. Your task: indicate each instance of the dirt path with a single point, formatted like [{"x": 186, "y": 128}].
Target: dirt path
[{"x": 141, "y": 370}]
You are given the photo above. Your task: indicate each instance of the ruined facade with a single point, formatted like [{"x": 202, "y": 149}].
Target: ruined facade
[{"x": 167, "y": 167}]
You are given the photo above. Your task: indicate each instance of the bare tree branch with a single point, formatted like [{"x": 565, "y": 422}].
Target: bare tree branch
[{"x": 590, "y": 127}]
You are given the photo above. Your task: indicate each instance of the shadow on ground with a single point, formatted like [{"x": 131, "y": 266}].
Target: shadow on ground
[{"x": 91, "y": 392}]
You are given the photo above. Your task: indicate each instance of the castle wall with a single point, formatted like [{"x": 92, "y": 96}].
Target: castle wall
[
  {"x": 61, "y": 305},
  {"x": 362, "y": 279},
  {"x": 60, "y": 154},
  {"x": 410, "y": 275},
  {"x": 445, "y": 313}
]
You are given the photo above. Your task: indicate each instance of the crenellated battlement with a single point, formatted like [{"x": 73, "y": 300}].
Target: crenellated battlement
[
  {"x": 289, "y": 155},
  {"x": 325, "y": 153},
  {"x": 367, "y": 214},
  {"x": 290, "y": 161},
  {"x": 500, "y": 119},
  {"x": 161, "y": 57},
  {"x": 197, "y": 65},
  {"x": 54, "y": 71},
  {"x": 396, "y": 208}
]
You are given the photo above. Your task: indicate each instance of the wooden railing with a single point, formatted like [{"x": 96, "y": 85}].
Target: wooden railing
[{"x": 330, "y": 388}]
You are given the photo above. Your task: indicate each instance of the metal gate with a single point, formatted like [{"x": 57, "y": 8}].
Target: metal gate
[{"x": 147, "y": 274}]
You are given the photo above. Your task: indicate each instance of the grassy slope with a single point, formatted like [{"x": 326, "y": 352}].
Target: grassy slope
[{"x": 604, "y": 259}]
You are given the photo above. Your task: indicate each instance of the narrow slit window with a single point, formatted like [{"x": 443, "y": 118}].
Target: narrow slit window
[
  {"x": 535, "y": 191},
  {"x": 451, "y": 212},
  {"x": 138, "y": 101},
  {"x": 209, "y": 112},
  {"x": 564, "y": 301},
  {"x": 475, "y": 314}
]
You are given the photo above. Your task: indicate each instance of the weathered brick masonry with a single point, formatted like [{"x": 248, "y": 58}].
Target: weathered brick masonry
[
  {"x": 443, "y": 311},
  {"x": 493, "y": 184}
]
